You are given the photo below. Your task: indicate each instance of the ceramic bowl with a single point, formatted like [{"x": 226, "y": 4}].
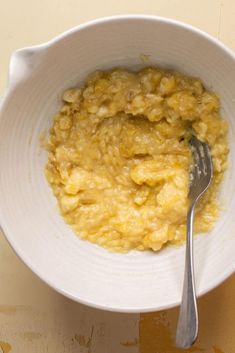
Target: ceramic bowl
[{"x": 133, "y": 282}]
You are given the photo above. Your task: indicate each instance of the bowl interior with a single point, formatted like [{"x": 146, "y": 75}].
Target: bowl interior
[{"x": 137, "y": 281}]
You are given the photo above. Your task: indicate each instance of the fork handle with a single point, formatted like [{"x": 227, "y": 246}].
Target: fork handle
[{"x": 187, "y": 327}]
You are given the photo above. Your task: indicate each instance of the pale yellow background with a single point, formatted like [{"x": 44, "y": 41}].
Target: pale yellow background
[{"x": 35, "y": 319}]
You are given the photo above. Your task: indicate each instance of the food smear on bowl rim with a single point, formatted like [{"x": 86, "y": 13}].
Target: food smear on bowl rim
[{"x": 119, "y": 157}]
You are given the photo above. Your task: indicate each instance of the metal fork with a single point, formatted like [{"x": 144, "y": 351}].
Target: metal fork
[{"x": 200, "y": 178}]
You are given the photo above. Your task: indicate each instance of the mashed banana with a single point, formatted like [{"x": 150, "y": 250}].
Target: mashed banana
[{"x": 119, "y": 157}]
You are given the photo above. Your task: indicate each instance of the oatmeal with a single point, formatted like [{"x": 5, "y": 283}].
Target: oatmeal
[{"x": 119, "y": 157}]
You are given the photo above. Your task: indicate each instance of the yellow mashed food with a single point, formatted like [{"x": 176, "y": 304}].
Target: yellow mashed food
[{"x": 119, "y": 158}]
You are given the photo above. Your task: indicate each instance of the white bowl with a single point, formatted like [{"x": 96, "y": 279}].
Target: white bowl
[{"x": 137, "y": 281}]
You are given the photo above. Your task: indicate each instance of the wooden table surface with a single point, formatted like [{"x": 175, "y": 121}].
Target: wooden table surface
[{"x": 33, "y": 317}]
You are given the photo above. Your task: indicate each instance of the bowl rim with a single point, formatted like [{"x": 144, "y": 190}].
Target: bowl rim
[{"x": 10, "y": 86}]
